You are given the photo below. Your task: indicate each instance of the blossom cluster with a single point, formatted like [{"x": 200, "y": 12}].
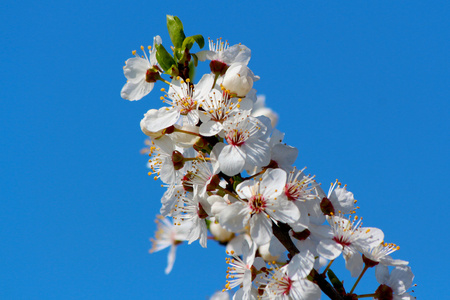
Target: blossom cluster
[{"x": 229, "y": 176}]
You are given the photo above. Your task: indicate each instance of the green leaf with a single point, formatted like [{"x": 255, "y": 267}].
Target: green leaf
[
  {"x": 195, "y": 59},
  {"x": 163, "y": 57},
  {"x": 176, "y": 31},
  {"x": 190, "y": 40},
  {"x": 191, "y": 71},
  {"x": 337, "y": 284},
  {"x": 236, "y": 180},
  {"x": 178, "y": 54}
]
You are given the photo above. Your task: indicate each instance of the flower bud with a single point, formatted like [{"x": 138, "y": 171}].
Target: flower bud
[
  {"x": 239, "y": 79},
  {"x": 218, "y": 67},
  {"x": 220, "y": 233},
  {"x": 265, "y": 254},
  {"x": 177, "y": 160},
  {"x": 183, "y": 139}
]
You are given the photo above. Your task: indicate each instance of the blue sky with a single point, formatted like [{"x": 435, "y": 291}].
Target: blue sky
[{"x": 362, "y": 89}]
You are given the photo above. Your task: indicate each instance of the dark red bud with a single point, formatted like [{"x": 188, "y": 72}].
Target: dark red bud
[
  {"x": 177, "y": 160},
  {"x": 169, "y": 130},
  {"x": 370, "y": 263},
  {"x": 187, "y": 186},
  {"x": 201, "y": 212},
  {"x": 213, "y": 184},
  {"x": 384, "y": 292},
  {"x": 218, "y": 67},
  {"x": 152, "y": 75},
  {"x": 303, "y": 235},
  {"x": 326, "y": 207}
]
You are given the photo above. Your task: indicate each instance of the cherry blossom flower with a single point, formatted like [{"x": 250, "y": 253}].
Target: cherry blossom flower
[
  {"x": 239, "y": 79},
  {"x": 168, "y": 235},
  {"x": 141, "y": 73},
  {"x": 245, "y": 146},
  {"x": 222, "y": 55},
  {"x": 289, "y": 282},
  {"x": 347, "y": 237},
  {"x": 263, "y": 205},
  {"x": 394, "y": 286},
  {"x": 190, "y": 209}
]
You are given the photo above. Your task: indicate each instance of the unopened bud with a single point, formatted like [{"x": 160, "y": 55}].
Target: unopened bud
[
  {"x": 177, "y": 160},
  {"x": 220, "y": 233},
  {"x": 239, "y": 79}
]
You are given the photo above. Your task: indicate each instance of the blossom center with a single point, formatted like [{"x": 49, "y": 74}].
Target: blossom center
[
  {"x": 285, "y": 285},
  {"x": 186, "y": 105},
  {"x": 292, "y": 191},
  {"x": 342, "y": 240},
  {"x": 257, "y": 204},
  {"x": 235, "y": 138}
]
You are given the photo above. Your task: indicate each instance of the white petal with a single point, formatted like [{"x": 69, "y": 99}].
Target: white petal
[
  {"x": 244, "y": 189},
  {"x": 353, "y": 262},
  {"x": 329, "y": 249},
  {"x": 286, "y": 211},
  {"x": 231, "y": 160},
  {"x": 260, "y": 229},
  {"x": 164, "y": 117},
  {"x": 284, "y": 155},
  {"x": 274, "y": 182},
  {"x": 206, "y": 54},
  {"x": 210, "y": 128},
  {"x": 301, "y": 265},
  {"x": 234, "y": 217},
  {"x": 136, "y": 90},
  {"x": 382, "y": 274},
  {"x": 135, "y": 69},
  {"x": 171, "y": 259}
]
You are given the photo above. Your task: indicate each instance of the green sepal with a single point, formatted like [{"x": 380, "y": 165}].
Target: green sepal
[
  {"x": 236, "y": 180},
  {"x": 337, "y": 284},
  {"x": 163, "y": 57},
  {"x": 195, "y": 59},
  {"x": 190, "y": 40},
  {"x": 173, "y": 70},
  {"x": 208, "y": 223},
  {"x": 176, "y": 31}
]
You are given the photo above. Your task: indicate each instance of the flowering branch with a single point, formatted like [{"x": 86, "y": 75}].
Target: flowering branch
[{"x": 231, "y": 179}]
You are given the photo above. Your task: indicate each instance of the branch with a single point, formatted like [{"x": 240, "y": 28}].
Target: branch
[{"x": 281, "y": 232}]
